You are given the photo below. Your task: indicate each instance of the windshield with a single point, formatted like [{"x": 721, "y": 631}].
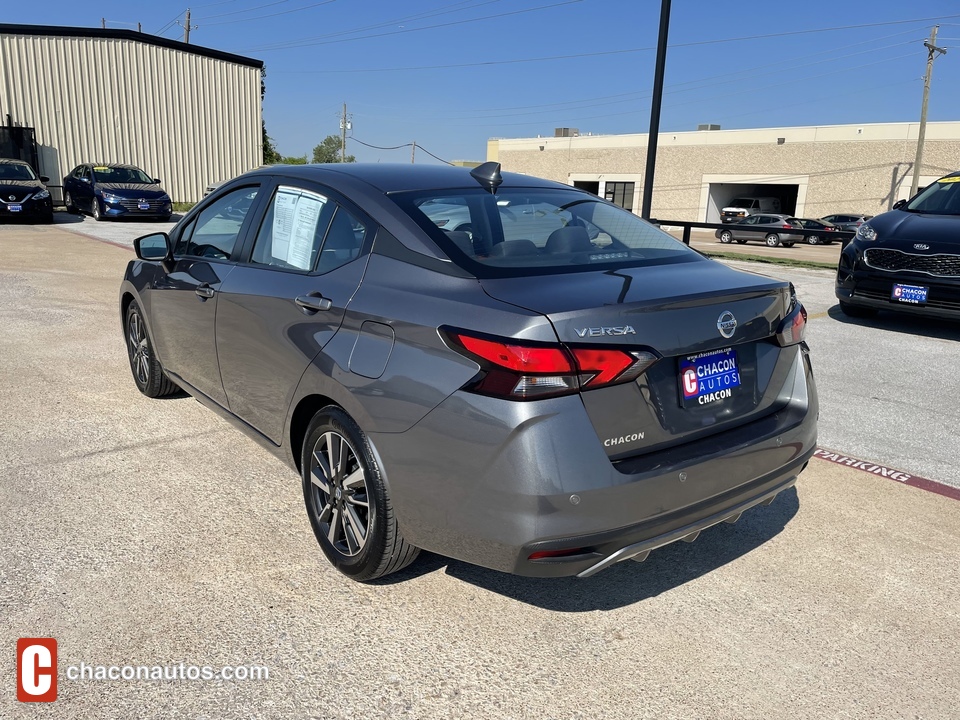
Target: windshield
[
  {"x": 940, "y": 198},
  {"x": 742, "y": 203},
  {"x": 121, "y": 175},
  {"x": 15, "y": 171},
  {"x": 522, "y": 231}
]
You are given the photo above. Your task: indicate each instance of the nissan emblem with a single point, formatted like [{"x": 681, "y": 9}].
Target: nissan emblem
[{"x": 727, "y": 324}]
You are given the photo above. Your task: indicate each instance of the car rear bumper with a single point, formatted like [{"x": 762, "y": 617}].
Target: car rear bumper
[{"x": 494, "y": 483}]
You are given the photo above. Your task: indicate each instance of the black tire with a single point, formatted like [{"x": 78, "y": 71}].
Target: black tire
[
  {"x": 147, "y": 371},
  {"x": 70, "y": 205},
  {"x": 95, "y": 210},
  {"x": 813, "y": 240},
  {"x": 855, "y": 311},
  {"x": 343, "y": 500},
  {"x": 726, "y": 236},
  {"x": 742, "y": 242},
  {"x": 788, "y": 244},
  {"x": 772, "y": 240}
]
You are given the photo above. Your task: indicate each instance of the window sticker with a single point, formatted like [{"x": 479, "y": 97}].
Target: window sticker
[
  {"x": 946, "y": 180},
  {"x": 295, "y": 218}
]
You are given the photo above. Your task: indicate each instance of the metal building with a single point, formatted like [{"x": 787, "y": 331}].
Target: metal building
[{"x": 186, "y": 114}]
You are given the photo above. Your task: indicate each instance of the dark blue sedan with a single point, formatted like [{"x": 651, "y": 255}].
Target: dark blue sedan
[{"x": 113, "y": 191}]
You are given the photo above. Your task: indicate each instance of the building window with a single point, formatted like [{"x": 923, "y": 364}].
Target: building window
[{"x": 620, "y": 193}]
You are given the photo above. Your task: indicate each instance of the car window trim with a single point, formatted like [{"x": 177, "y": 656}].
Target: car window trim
[
  {"x": 242, "y": 234},
  {"x": 274, "y": 182}
]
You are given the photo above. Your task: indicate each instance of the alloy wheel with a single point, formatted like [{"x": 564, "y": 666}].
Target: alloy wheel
[
  {"x": 340, "y": 499},
  {"x": 139, "y": 349}
]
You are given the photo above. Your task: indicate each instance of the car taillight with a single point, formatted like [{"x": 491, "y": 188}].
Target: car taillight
[
  {"x": 529, "y": 370},
  {"x": 788, "y": 226},
  {"x": 793, "y": 329}
]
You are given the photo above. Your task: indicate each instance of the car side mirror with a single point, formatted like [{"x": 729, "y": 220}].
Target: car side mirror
[
  {"x": 85, "y": 179},
  {"x": 157, "y": 180},
  {"x": 44, "y": 179},
  {"x": 899, "y": 204},
  {"x": 155, "y": 246}
]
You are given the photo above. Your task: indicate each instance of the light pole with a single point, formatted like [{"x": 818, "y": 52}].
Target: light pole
[{"x": 655, "y": 109}]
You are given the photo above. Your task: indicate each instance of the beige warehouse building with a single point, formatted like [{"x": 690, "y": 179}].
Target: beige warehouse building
[
  {"x": 186, "y": 114},
  {"x": 815, "y": 171}
]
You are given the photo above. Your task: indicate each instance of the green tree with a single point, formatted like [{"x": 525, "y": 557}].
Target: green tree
[
  {"x": 294, "y": 160},
  {"x": 329, "y": 151},
  {"x": 270, "y": 154}
]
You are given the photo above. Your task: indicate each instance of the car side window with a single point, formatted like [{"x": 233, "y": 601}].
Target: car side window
[
  {"x": 751, "y": 219},
  {"x": 293, "y": 229},
  {"x": 343, "y": 241},
  {"x": 214, "y": 232}
]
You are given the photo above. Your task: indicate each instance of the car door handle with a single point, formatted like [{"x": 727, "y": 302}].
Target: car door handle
[
  {"x": 313, "y": 302},
  {"x": 205, "y": 291}
]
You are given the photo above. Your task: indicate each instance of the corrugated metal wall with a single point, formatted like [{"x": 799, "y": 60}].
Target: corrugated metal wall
[{"x": 184, "y": 118}]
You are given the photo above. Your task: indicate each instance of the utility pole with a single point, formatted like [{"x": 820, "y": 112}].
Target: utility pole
[
  {"x": 413, "y": 152},
  {"x": 932, "y": 52},
  {"x": 103, "y": 23},
  {"x": 187, "y": 27},
  {"x": 655, "y": 103},
  {"x": 343, "y": 135}
]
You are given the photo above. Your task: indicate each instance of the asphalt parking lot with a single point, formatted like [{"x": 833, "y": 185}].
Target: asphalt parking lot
[{"x": 149, "y": 532}]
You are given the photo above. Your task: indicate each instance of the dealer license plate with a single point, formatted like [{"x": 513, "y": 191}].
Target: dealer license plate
[
  {"x": 143, "y": 206},
  {"x": 709, "y": 377},
  {"x": 14, "y": 208},
  {"x": 912, "y": 294}
]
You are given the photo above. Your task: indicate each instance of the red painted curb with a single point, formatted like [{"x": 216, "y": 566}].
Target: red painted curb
[{"x": 902, "y": 477}]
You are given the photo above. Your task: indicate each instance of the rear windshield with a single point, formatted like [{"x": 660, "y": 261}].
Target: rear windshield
[
  {"x": 940, "y": 198},
  {"x": 522, "y": 231},
  {"x": 15, "y": 171}
]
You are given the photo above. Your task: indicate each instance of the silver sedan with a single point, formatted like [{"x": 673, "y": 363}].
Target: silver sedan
[{"x": 773, "y": 230}]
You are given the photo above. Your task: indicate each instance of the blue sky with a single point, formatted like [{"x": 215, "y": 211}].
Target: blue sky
[{"x": 449, "y": 75}]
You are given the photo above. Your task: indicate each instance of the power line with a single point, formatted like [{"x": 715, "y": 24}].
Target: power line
[
  {"x": 400, "y": 147},
  {"x": 472, "y": 5},
  {"x": 301, "y": 43},
  {"x": 250, "y": 9},
  {"x": 262, "y": 17},
  {"x": 171, "y": 23}
]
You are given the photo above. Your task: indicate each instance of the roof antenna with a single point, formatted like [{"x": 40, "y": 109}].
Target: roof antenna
[{"x": 488, "y": 175}]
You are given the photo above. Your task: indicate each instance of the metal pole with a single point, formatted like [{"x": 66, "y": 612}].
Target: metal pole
[
  {"x": 655, "y": 109},
  {"x": 186, "y": 29},
  {"x": 343, "y": 135},
  {"x": 932, "y": 50},
  {"x": 413, "y": 152}
]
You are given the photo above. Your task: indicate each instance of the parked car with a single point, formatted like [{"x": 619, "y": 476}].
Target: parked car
[
  {"x": 822, "y": 238},
  {"x": 908, "y": 259},
  {"x": 773, "y": 230},
  {"x": 23, "y": 193},
  {"x": 847, "y": 221},
  {"x": 108, "y": 191},
  {"x": 544, "y": 405},
  {"x": 741, "y": 207}
]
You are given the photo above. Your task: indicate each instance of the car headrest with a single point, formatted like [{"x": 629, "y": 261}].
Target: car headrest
[
  {"x": 569, "y": 239},
  {"x": 513, "y": 248}
]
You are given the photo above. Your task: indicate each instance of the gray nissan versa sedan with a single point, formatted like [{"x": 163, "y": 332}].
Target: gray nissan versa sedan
[{"x": 561, "y": 388}]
